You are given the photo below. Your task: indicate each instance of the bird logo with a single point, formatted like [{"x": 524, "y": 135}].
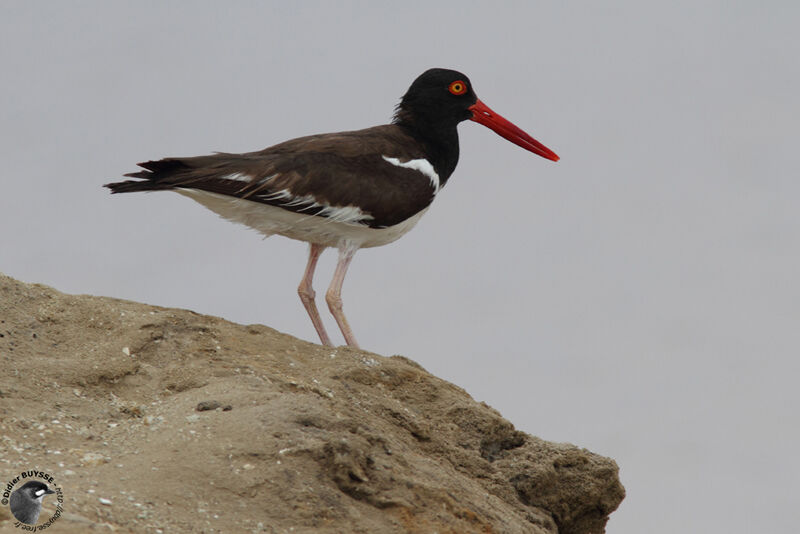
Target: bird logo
[{"x": 26, "y": 502}]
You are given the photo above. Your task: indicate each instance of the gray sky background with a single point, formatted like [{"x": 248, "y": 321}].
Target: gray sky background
[{"x": 639, "y": 298}]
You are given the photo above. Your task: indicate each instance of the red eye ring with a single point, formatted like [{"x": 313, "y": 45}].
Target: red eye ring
[{"x": 458, "y": 87}]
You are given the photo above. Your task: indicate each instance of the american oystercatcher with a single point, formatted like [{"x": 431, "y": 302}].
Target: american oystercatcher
[{"x": 348, "y": 190}]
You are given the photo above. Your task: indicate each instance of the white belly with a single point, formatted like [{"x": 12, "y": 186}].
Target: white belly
[{"x": 270, "y": 220}]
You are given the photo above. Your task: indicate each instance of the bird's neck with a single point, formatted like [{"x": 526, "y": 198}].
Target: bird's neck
[{"x": 440, "y": 143}]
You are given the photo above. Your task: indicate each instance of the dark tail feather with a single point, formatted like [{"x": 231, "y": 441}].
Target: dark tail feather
[
  {"x": 154, "y": 178},
  {"x": 132, "y": 186},
  {"x": 163, "y": 167}
]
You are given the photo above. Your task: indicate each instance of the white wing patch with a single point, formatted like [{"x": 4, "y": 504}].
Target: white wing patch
[
  {"x": 237, "y": 176},
  {"x": 422, "y": 165},
  {"x": 344, "y": 214}
]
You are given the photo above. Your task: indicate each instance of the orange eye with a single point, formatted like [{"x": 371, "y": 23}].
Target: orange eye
[{"x": 458, "y": 87}]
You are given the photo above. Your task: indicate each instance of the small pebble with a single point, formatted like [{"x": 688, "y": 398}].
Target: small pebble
[{"x": 207, "y": 405}]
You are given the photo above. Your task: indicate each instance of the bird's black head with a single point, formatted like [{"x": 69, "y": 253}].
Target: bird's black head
[
  {"x": 441, "y": 98},
  {"x": 35, "y": 489},
  {"x": 438, "y": 98}
]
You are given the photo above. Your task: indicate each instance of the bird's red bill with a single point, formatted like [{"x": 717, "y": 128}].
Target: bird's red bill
[{"x": 481, "y": 113}]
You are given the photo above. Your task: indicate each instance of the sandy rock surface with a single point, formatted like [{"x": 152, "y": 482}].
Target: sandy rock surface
[{"x": 290, "y": 436}]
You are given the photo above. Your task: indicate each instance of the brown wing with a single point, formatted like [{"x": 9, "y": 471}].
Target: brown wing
[{"x": 309, "y": 175}]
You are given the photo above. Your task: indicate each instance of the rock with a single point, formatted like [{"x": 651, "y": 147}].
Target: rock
[
  {"x": 204, "y": 406},
  {"x": 322, "y": 440},
  {"x": 207, "y": 405}
]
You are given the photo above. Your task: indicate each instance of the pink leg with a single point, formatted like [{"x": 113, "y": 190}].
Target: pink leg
[
  {"x": 307, "y": 293},
  {"x": 334, "y": 294}
]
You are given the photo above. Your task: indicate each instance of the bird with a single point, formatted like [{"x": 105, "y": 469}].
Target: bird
[
  {"x": 346, "y": 190},
  {"x": 26, "y": 502}
]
